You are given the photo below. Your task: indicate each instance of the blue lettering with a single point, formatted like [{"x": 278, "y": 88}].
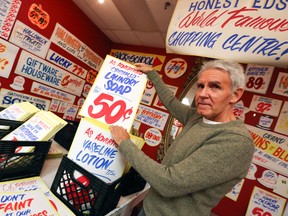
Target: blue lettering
[
  {"x": 260, "y": 46},
  {"x": 97, "y": 162},
  {"x": 60, "y": 60},
  {"x": 41, "y": 75},
  {"x": 93, "y": 147},
  {"x": 211, "y": 4},
  {"x": 207, "y": 39},
  {"x": 117, "y": 88},
  {"x": 268, "y": 4}
]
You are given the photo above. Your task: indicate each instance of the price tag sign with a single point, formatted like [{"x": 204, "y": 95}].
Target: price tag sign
[
  {"x": 264, "y": 203},
  {"x": 175, "y": 68},
  {"x": 116, "y": 93},
  {"x": 257, "y": 78},
  {"x": 264, "y": 105}
]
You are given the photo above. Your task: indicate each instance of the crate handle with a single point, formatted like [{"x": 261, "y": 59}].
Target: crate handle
[{"x": 81, "y": 179}]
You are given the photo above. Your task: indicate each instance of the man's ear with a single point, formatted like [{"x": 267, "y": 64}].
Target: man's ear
[{"x": 237, "y": 95}]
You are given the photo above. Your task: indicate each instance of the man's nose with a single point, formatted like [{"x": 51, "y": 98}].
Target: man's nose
[{"x": 203, "y": 92}]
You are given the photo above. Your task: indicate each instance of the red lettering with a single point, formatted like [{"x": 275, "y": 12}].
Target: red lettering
[
  {"x": 200, "y": 19},
  {"x": 258, "y": 22},
  {"x": 66, "y": 80},
  {"x": 16, "y": 206},
  {"x": 281, "y": 154},
  {"x": 89, "y": 132}
]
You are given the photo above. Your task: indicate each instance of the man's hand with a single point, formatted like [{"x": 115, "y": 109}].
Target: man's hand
[
  {"x": 143, "y": 67},
  {"x": 119, "y": 133}
]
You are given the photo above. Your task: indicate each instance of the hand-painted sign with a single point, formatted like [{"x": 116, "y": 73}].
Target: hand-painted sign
[
  {"x": 26, "y": 203},
  {"x": 152, "y": 117},
  {"x": 282, "y": 121},
  {"x": 257, "y": 78},
  {"x": 175, "y": 68},
  {"x": 91, "y": 76},
  {"x": 156, "y": 61},
  {"x": 282, "y": 189},
  {"x": 67, "y": 41},
  {"x": 234, "y": 193},
  {"x": 264, "y": 105},
  {"x": 54, "y": 105},
  {"x": 31, "y": 184},
  {"x": 157, "y": 101},
  {"x": 30, "y": 40},
  {"x": 49, "y": 92},
  {"x": 115, "y": 94},
  {"x": 248, "y": 31},
  {"x": 239, "y": 110},
  {"x": 268, "y": 179},
  {"x": 148, "y": 94},
  {"x": 38, "y": 16},
  {"x": 94, "y": 149},
  {"x": 70, "y": 112},
  {"x": 39, "y": 70},
  {"x": 8, "y": 13},
  {"x": 153, "y": 137},
  {"x": 66, "y": 64},
  {"x": 8, "y": 54},
  {"x": 9, "y": 97},
  {"x": 62, "y": 107},
  {"x": 281, "y": 85},
  {"x": 271, "y": 149},
  {"x": 265, "y": 203}
]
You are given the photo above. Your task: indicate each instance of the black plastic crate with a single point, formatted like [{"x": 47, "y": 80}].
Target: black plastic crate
[
  {"x": 15, "y": 165},
  {"x": 84, "y": 193},
  {"x": 65, "y": 136},
  {"x": 11, "y": 124}
]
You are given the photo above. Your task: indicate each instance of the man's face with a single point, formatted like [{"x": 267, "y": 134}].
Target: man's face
[{"x": 213, "y": 95}]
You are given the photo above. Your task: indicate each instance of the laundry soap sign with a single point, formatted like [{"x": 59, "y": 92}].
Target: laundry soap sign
[
  {"x": 115, "y": 94},
  {"x": 94, "y": 149}
]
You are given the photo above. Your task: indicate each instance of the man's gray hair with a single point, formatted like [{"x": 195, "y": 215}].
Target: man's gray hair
[{"x": 234, "y": 69}]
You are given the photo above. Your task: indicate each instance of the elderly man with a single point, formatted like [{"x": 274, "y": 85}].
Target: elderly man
[{"x": 212, "y": 153}]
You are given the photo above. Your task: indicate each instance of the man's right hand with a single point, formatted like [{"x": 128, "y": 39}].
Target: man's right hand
[{"x": 143, "y": 67}]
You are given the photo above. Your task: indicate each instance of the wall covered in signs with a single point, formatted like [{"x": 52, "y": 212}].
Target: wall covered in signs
[
  {"x": 264, "y": 109},
  {"x": 50, "y": 55}
]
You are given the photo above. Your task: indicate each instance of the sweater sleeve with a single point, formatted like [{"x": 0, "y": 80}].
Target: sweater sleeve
[
  {"x": 180, "y": 111},
  {"x": 217, "y": 161}
]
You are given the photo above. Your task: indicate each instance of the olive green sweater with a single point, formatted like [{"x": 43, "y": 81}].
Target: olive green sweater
[{"x": 202, "y": 164}]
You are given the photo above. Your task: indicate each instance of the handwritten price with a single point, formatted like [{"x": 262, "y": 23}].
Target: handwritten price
[
  {"x": 107, "y": 110},
  {"x": 262, "y": 107},
  {"x": 175, "y": 66},
  {"x": 255, "y": 83},
  {"x": 78, "y": 70},
  {"x": 237, "y": 112},
  {"x": 260, "y": 212}
]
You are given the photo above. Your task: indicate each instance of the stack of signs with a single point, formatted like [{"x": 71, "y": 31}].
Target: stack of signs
[
  {"x": 19, "y": 111},
  {"x": 112, "y": 100},
  {"x": 42, "y": 126},
  {"x": 33, "y": 184},
  {"x": 94, "y": 149}
]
